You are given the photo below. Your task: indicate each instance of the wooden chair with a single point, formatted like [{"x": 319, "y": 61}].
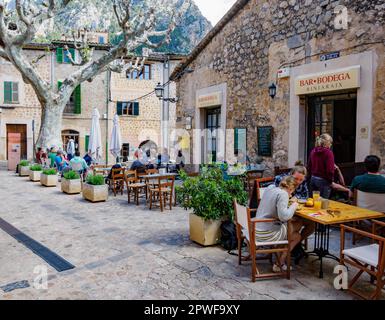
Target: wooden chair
[
  {"x": 100, "y": 169},
  {"x": 368, "y": 259},
  {"x": 261, "y": 186},
  {"x": 251, "y": 176},
  {"x": 162, "y": 192},
  {"x": 246, "y": 226},
  {"x": 117, "y": 180},
  {"x": 134, "y": 186},
  {"x": 370, "y": 201}
]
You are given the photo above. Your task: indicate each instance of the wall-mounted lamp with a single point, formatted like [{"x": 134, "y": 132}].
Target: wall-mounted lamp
[
  {"x": 159, "y": 91},
  {"x": 272, "y": 90}
]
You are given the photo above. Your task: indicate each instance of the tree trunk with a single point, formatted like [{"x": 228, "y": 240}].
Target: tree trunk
[{"x": 51, "y": 126}]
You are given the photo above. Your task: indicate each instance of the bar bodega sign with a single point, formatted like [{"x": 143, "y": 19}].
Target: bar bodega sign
[{"x": 341, "y": 79}]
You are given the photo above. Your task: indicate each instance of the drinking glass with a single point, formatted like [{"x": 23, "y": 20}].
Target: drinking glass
[
  {"x": 317, "y": 204},
  {"x": 316, "y": 195}
]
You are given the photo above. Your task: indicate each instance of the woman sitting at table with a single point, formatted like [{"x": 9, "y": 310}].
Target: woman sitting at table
[{"x": 275, "y": 205}]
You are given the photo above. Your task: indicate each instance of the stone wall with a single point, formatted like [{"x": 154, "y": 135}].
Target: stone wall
[{"x": 267, "y": 35}]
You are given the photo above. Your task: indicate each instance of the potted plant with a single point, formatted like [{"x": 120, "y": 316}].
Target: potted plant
[
  {"x": 71, "y": 183},
  {"x": 24, "y": 168},
  {"x": 48, "y": 178},
  {"x": 35, "y": 172},
  {"x": 95, "y": 189},
  {"x": 211, "y": 197}
]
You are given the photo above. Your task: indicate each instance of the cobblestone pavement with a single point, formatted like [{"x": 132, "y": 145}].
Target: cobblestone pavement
[{"x": 126, "y": 252}]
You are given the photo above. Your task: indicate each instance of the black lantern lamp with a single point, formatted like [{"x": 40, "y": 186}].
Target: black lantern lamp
[
  {"x": 272, "y": 90},
  {"x": 159, "y": 91}
]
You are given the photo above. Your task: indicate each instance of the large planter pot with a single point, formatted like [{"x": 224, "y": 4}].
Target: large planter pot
[
  {"x": 23, "y": 171},
  {"x": 48, "y": 180},
  {"x": 95, "y": 193},
  {"x": 204, "y": 232},
  {"x": 71, "y": 186},
  {"x": 34, "y": 175}
]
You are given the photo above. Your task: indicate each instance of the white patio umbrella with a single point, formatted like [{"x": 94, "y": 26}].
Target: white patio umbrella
[
  {"x": 95, "y": 142},
  {"x": 116, "y": 139}
]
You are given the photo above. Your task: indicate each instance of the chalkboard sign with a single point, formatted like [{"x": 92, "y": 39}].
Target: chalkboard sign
[{"x": 265, "y": 141}]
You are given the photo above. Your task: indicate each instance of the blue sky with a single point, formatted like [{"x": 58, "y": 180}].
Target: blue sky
[{"x": 214, "y": 10}]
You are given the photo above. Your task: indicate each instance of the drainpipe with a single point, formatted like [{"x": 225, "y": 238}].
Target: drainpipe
[
  {"x": 108, "y": 98},
  {"x": 166, "y": 104}
]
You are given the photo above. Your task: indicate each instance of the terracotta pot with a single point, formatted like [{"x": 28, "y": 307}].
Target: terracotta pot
[
  {"x": 23, "y": 171},
  {"x": 204, "y": 232},
  {"x": 95, "y": 193},
  {"x": 71, "y": 186},
  {"x": 34, "y": 175},
  {"x": 48, "y": 180}
]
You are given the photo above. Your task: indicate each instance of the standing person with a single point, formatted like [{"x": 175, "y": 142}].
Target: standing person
[
  {"x": 70, "y": 149},
  {"x": 77, "y": 159},
  {"x": 52, "y": 156},
  {"x": 321, "y": 166},
  {"x": 275, "y": 205}
]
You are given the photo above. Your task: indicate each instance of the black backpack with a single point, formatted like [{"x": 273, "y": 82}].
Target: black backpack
[{"x": 229, "y": 239}]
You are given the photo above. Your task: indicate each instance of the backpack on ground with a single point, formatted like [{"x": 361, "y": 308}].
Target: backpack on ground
[{"x": 229, "y": 239}]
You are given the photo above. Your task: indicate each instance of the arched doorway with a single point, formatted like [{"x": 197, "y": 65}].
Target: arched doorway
[{"x": 66, "y": 135}]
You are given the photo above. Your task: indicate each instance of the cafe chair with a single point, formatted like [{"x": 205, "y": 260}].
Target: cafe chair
[
  {"x": 370, "y": 201},
  {"x": 368, "y": 259},
  {"x": 117, "y": 180},
  {"x": 134, "y": 186},
  {"x": 251, "y": 176},
  {"x": 245, "y": 226},
  {"x": 162, "y": 192}
]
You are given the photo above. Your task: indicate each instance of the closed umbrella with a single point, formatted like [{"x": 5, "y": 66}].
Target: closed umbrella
[
  {"x": 116, "y": 139},
  {"x": 71, "y": 147},
  {"x": 95, "y": 142}
]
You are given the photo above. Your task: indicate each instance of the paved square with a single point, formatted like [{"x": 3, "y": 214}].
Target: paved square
[{"x": 126, "y": 252}]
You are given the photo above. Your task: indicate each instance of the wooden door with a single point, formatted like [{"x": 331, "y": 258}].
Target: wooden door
[
  {"x": 13, "y": 149},
  {"x": 22, "y": 129}
]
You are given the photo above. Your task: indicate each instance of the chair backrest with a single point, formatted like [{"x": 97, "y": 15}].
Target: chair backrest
[
  {"x": 166, "y": 182},
  {"x": 242, "y": 215},
  {"x": 152, "y": 171},
  {"x": 130, "y": 176},
  {"x": 262, "y": 185},
  {"x": 371, "y": 201},
  {"x": 76, "y": 166},
  {"x": 118, "y": 174}
]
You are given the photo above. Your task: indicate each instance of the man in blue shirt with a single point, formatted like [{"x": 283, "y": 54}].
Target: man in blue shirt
[{"x": 371, "y": 182}]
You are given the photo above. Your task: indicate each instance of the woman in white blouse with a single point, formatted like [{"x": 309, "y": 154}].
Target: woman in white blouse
[{"x": 275, "y": 205}]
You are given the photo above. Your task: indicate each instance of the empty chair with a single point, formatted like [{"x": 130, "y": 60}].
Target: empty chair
[
  {"x": 162, "y": 192},
  {"x": 134, "y": 186}
]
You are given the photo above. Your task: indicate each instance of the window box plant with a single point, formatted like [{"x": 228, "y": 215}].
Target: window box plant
[
  {"x": 48, "y": 178},
  {"x": 24, "y": 168},
  {"x": 211, "y": 197},
  {"x": 71, "y": 183},
  {"x": 35, "y": 172},
  {"x": 95, "y": 189}
]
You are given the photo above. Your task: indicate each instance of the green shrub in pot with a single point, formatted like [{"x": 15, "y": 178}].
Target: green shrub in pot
[
  {"x": 24, "y": 163},
  {"x": 49, "y": 172},
  {"x": 36, "y": 167},
  {"x": 95, "y": 180},
  {"x": 71, "y": 175}
]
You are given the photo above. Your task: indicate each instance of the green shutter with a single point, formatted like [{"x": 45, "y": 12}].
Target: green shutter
[
  {"x": 136, "y": 108},
  {"x": 87, "y": 142},
  {"x": 59, "y": 84},
  {"x": 59, "y": 55},
  {"x": 119, "y": 108},
  {"x": 78, "y": 100},
  {"x": 7, "y": 92},
  {"x": 236, "y": 141}
]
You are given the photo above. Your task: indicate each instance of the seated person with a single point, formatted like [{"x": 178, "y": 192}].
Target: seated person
[
  {"x": 52, "y": 156},
  {"x": 371, "y": 182},
  {"x": 77, "y": 159},
  {"x": 165, "y": 158},
  {"x": 88, "y": 159},
  {"x": 275, "y": 205},
  {"x": 138, "y": 165},
  {"x": 60, "y": 161},
  {"x": 180, "y": 160}
]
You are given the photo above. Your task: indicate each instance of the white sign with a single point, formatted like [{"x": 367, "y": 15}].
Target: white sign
[{"x": 283, "y": 73}]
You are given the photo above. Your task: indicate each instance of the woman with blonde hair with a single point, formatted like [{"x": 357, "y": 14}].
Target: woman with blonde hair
[
  {"x": 275, "y": 205},
  {"x": 321, "y": 166}
]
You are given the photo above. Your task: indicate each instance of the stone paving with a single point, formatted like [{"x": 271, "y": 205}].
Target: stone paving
[{"x": 126, "y": 252}]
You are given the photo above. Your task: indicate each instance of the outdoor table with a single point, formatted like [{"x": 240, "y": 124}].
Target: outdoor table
[{"x": 324, "y": 220}]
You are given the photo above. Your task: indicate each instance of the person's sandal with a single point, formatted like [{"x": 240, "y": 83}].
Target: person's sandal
[{"x": 278, "y": 269}]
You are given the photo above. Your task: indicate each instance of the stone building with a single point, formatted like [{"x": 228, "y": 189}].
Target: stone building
[
  {"x": 323, "y": 62},
  {"x": 110, "y": 93}
]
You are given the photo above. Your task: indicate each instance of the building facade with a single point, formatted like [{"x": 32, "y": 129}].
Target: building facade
[
  {"x": 323, "y": 63},
  {"x": 110, "y": 93}
]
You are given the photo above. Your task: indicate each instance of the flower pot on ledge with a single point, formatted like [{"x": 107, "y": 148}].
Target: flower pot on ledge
[
  {"x": 34, "y": 176},
  {"x": 95, "y": 193},
  {"x": 71, "y": 186},
  {"x": 48, "y": 180},
  {"x": 23, "y": 171},
  {"x": 204, "y": 232}
]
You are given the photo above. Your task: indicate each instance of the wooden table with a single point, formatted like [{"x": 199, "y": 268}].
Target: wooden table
[{"x": 345, "y": 213}]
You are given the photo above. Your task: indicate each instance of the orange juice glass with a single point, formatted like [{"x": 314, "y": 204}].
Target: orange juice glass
[
  {"x": 316, "y": 195},
  {"x": 317, "y": 204}
]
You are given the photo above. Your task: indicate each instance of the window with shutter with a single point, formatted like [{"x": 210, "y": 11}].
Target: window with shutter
[
  {"x": 78, "y": 100},
  {"x": 7, "y": 92},
  {"x": 59, "y": 55}
]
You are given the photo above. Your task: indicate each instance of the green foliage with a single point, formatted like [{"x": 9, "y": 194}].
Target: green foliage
[
  {"x": 24, "y": 163},
  {"x": 95, "y": 180},
  {"x": 210, "y": 195},
  {"x": 71, "y": 175},
  {"x": 49, "y": 172},
  {"x": 36, "y": 167}
]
